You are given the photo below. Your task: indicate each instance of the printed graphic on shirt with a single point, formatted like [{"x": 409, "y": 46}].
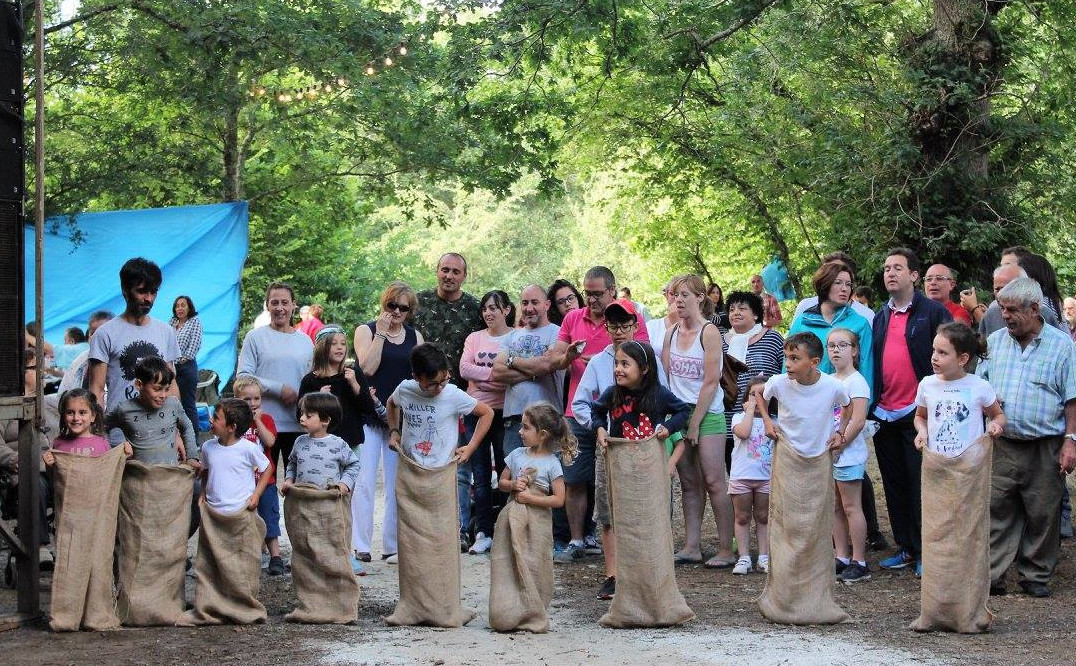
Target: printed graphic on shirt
[
  {"x": 528, "y": 346},
  {"x": 683, "y": 366},
  {"x": 951, "y": 421},
  {"x": 129, "y": 358},
  {"x": 760, "y": 449}
]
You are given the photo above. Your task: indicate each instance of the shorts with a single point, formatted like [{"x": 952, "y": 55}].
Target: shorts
[
  {"x": 712, "y": 424},
  {"x": 269, "y": 510},
  {"x": 849, "y": 473},
  {"x": 603, "y": 511},
  {"x": 749, "y": 486},
  {"x": 581, "y": 471}
]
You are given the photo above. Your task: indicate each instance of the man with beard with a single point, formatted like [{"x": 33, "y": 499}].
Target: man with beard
[
  {"x": 447, "y": 315},
  {"x": 121, "y": 343}
]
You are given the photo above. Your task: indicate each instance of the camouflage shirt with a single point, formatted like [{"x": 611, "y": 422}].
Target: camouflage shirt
[{"x": 447, "y": 325}]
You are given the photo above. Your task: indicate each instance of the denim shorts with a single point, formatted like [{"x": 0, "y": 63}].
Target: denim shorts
[
  {"x": 849, "y": 473},
  {"x": 269, "y": 510}
]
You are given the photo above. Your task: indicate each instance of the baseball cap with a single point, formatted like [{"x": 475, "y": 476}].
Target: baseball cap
[{"x": 622, "y": 305}]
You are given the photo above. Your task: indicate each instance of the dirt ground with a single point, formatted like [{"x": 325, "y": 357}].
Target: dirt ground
[{"x": 728, "y": 628}]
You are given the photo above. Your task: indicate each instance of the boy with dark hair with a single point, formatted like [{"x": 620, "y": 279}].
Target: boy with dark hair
[
  {"x": 424, "y": 412},
  {"x": 149, "y": 421},
  {"x": 230, "y": 460}
]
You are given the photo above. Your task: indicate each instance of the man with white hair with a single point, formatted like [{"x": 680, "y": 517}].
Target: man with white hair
[
  {"x": 1069, "y": 308},
  {"x": 1032, "y": 367}
]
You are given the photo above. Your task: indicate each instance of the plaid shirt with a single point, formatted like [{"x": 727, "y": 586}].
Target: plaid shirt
[
  {"x": 189, "y": 338},
  {"x": 1033, "y": 384},
  {"x": 771, "y": 311}
]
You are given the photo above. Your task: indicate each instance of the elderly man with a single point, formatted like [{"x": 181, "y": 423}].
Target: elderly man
[
  {"x": 524, "y": 365},
  {"x": 586, "y": 328},
  {"x": 1069, "y": 309},
  {"x": 771, "y": 309},
  {"x": 1032, "y": 367},
  {"x": 937, "y": 285},
  {"x": 992, "y": 319}
]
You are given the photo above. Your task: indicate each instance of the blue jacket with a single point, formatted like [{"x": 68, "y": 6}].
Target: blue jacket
[
  {"x": 812, "y": 321},
  {"x": 924, "y": 318}
]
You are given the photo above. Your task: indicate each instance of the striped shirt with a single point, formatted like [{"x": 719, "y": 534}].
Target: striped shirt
[
  {"x": 1034, "y": 383},
  {"x": 189, "y": 337},
  {"x": 766, "y": 356}
]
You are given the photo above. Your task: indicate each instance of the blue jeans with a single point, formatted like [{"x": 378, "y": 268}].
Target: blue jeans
[
  {"x": 187, "y": 382},
  {"x": 489, "y": 456}
]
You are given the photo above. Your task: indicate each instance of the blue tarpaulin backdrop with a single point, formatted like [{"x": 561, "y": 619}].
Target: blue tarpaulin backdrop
[{"x": 200, "y": 249}]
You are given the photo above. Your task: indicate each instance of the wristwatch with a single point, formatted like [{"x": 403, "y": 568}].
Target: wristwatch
[
  {"x": 1071, "y": 436},
  {"x": 510, "y": 361}
]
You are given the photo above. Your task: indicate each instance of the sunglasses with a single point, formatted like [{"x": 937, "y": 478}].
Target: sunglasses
[{"x": 397, "y": 306}]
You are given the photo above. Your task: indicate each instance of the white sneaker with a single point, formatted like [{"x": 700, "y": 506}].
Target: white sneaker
[
  {"x": 743, "y": 566},
  {"x": 763, "y": 563},
  {"x": 482, "y": 544},
  {"x": 392, "y": 559}
]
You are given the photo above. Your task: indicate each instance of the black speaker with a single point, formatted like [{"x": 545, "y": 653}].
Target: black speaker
[{"x": 12, "y": 191}]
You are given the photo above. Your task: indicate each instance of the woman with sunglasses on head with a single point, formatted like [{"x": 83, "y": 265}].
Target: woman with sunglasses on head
[{"x": 383, "y": 349}]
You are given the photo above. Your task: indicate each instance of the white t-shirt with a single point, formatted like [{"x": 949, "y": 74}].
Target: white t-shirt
[
  {"x": 855, "y": 453},
  {"x": 430, "y": 426},
  {"x": 954, "y": 411},
  {"x": 752, "y": 459},
  {"x": 547, "y": 469},
  {"x": 121, "y": 345},
  {"x": 805, "y": 418},
  {"x": 230, "y": 481}
]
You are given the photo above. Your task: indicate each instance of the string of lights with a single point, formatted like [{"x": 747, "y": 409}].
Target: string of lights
[{"x": 312, "y": 91}]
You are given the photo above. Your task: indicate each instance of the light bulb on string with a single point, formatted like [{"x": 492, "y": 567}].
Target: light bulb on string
[
  {"x": 403, "y": 50},
  {"x": 370, "y": 70},
  {"x": 341, "y": 82},
  {"x": 388, "y": 62}
]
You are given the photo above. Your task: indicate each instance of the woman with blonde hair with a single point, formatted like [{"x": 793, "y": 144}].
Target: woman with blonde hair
[{"x": 383, "y": 349}]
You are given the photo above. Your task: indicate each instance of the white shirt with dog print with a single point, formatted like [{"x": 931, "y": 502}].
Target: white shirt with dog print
[{"x": 954, "y": 411}]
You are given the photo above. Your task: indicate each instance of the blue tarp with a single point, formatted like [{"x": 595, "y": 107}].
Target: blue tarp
[{"x": 200, "y": 249}]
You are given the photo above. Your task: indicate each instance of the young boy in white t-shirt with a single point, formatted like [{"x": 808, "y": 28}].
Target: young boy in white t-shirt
[
  {"x": 229, "y": 461},
  {"x": 424, "y": 412}
]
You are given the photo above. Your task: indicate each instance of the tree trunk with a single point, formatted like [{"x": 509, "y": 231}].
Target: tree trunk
[{"x": 233, "y": 158}]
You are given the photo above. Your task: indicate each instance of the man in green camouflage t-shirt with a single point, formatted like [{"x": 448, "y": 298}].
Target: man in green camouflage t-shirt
[{"x": 447, "y": 315}]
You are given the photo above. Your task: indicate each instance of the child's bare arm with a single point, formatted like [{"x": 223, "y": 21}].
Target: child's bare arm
[
  {"x": 677, "y": 453},
  {"x": 266, "y": 436},
  {"x": 263, "y": 483},
  {"x": 857, "y": 418},
  {"x": 554, "y": 501},
  {"x": 394, "y": 419},
  {"x": 997, "y": 419},
  {"x": 504, "y": 483},
  {"x": 743, "y": 428},
  {"x": 920, "y": 422},
  {"x": 485, "y": 420}
]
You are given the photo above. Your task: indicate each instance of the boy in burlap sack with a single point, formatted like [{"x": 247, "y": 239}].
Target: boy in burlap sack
[
  {"x": 800, "y": 585},
  {"x": 428, "y": 409},
  {"x": 521, "y": 561},
  {"x": 321, "y": 472},
  {"x": 228, "y": 567},
  {"x": 956, "y": 484}
]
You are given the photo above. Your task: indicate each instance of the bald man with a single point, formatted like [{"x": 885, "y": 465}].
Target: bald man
[
  {"x": 992, "y": 320},
  {"x": 938, "y": 285}
]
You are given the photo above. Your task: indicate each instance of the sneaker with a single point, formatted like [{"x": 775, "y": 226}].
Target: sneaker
[
  {"x": 482, "y": 544},
  {"x": 276, "y": 566},
  {"x": 743, "y": 566},
  {"x": 386, "y": 556},
  {"x": 363, "y": 557},
  {"x": 392, "y": 559},
  {"x": 357, "y": 567},
  {"x": 608, "y": 589},
  {"x": 839, "y": 566},
  {"x": 899, "y": 560},
  {"x": 265, "y": 560},
  {"x": 591, "y": 545},
  {"x": 855, "y": 573},
  {"x": 763, "y": 564},
  {"x": 877, "y": 541},
  {"x": 570, "y": 554},
  {"x": 1033, "y": 589},
  {"x": 465, "y": 543}
]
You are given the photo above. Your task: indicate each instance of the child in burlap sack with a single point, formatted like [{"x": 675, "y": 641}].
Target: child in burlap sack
[
  {"x": 950, "y": 405},
  {"x": 521, "y": 561}
]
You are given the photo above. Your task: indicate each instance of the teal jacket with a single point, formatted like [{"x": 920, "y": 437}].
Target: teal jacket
[{"x": 812, "y": 321}]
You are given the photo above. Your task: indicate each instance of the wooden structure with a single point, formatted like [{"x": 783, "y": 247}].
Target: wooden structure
[{"x": 25, "y": 543}]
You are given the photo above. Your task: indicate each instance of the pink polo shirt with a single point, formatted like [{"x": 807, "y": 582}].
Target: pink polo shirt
[
  {"x": 899, "y": 384},
  {"x": 578, "y": 325}
]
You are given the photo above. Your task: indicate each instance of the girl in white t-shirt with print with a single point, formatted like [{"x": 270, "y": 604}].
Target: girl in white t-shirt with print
[
  {"x": 950, "y": 404},
  {"x": 749, "y": 478},
  {"x": 849, "y": 524}
]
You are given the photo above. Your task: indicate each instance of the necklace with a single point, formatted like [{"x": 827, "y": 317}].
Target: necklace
[{"x": 395, "y": 335}]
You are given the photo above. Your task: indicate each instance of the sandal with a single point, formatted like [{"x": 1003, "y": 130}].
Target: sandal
[
  {"x": 714, "y": 563},
  {"x": 684, "y": 560}
]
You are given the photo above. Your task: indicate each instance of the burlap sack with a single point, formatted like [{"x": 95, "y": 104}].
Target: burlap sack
[
  {"x": 87, "y": 492},
  {"x": 151, "y": 544},
  {"x": 319, "y": 525},
  {"x": 428, "y": 527},
  {"x": 800, "y": 585},
  {"x": 646, "y": 590},
  {"x": 521, "y": 567},
  {"x": 228, "y": 569},
  {"x": 956, "y": 541}
]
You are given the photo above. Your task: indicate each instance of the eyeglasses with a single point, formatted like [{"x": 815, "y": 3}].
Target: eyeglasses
[
  {"x": 429, "y": 386},
  {"x": 595, "y": 295},
  {"x": 567, "y": 299},
  {"x": 397, "y": 306},
  {"x": 938, "y": 278},
  {"x": 838, "y": 346},
  {"x": 619, "y": 328},
  {"x": 843, "y": 283}
]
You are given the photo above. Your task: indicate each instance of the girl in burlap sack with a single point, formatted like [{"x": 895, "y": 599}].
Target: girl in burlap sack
[
  {"x": 950, "y": 405},
  {"x": 521, "y": 560}
]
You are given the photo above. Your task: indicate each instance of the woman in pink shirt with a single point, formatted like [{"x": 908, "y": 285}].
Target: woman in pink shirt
[{"x": 476, "y": 366}]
